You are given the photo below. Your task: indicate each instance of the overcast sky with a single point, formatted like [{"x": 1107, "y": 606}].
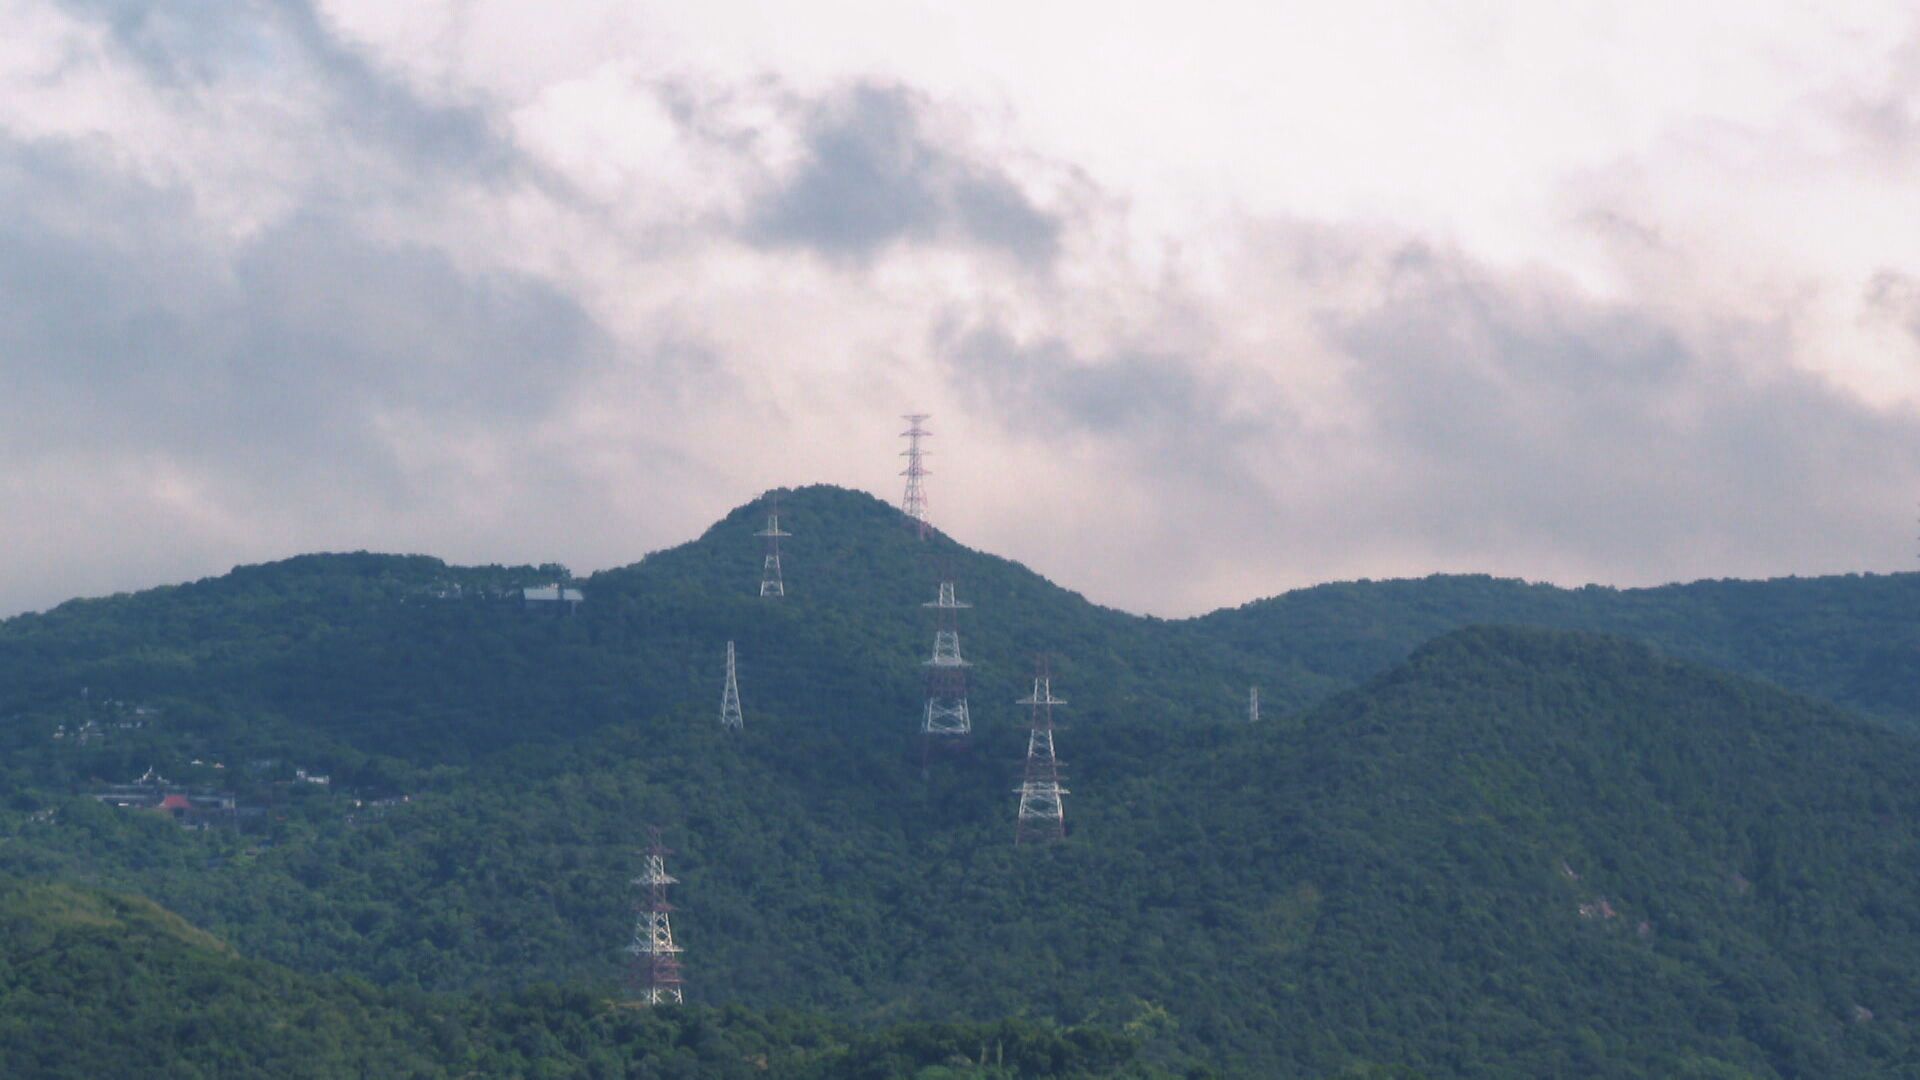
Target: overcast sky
[{"x": 1208, "y": 301}]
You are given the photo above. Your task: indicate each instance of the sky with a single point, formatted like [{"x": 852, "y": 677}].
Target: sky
[{"x": 1207, "y": 301}]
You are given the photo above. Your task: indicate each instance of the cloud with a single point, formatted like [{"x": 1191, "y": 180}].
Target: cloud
[
  {"x": 1566, "y": 432},
  {"x": 1894, "y": 297},
  {"x": 501, "y": 281},
  {"x": 872, "y": 177},
  {"x": 1044, "y": 383},
  {"x": 1887, "y": 116},
  {"x": 196, "y": 48},
  {"x": 1451, "y": 416},
  {"x": 286, "y": 344},
  {"x": 288, "y": 383},
  {"x": 1166, "y": 423}
]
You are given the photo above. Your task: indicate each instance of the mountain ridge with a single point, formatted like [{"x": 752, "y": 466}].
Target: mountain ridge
[
  {"x": 749, "y": 514},
  {"x": 853, "y": 566},
  {"x": 1466, "y": 836},
  {"x": 1510, "y": 804}
]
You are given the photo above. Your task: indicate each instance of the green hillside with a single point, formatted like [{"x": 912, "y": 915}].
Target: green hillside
[
  {"x": 360, "y": 656},
  {"x": 1504, "y": 852},
  {"x": 1850, "y": 639},
  {"x": 371, "y": 660},
  {"x": 96, "y": 984},
  {"x": 1575, "y": 858}
]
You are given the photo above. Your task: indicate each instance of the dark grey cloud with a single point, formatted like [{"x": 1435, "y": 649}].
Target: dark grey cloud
[
  {"x": 272, "y": 364},
  {"x": 188, "y": 47},
  {"x": 1132, "y": 393},
  {"x": 1524, "y": 418},
  {"x": 1489, "y": 423},
  {"x": 1894, "y": 297},
  {"x": 185, "y": 43},
  {"x": 1888, "y": 120},
  {"x": 242, "y": 358},
  {"x": 872, "y": 178},
  {"x": 1166, "y": 426}
]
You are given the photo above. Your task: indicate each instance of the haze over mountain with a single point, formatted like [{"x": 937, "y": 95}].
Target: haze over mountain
[{"x": 1456, "y": 849}]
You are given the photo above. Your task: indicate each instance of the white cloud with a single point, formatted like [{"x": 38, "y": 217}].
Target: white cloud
[{"x": 1247, "y": 295}]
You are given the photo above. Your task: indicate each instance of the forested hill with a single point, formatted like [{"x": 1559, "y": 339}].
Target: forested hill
[
  {"x": 1852, "y": 639},
  {"x": 97, "y": 985},
  {"x": 1490, "y": 851},
  {"x": 366, "y": 657},
  {"x": 411, "y": 659},
  {"x": 1592, "y": 860}
]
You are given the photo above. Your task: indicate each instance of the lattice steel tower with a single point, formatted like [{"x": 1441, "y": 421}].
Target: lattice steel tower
[
  {"x": 655, "y": 968},
  {"x": 946, "y": 714},
  {"x": 914, "y": 503},
  {"x": 730, "y": 717},
  {"x": 771, "y": 583},
  {"x": 1043, "y": 813}
]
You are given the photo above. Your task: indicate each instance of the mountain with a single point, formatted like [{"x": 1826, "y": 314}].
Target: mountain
[
  {"x": 97, "y": 984},
  {"x": 1599, "y": 861},
  {"x": 368, "y": 656},
  {"x": 1850, "y": 639},
  {"x": 1495, "y": 852},
  {"x": 371, "y": 660}
]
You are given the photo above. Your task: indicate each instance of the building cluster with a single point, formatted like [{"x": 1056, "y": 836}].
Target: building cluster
[
  {"x": 102, "y": 719},
  {"x": 201, "y": 806},
  {"x": 555, "y": 597},
  {"x": 190, "y": 808}
]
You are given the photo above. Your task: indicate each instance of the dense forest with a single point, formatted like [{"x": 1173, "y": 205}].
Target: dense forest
[
  {"x": 96, "y": 984},
  {"x": 1485, "y": 829}
]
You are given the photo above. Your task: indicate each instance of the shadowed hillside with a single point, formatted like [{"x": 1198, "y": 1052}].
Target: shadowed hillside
[
  {"x": 1850, "y": 639},
  {"x": 95, "y": 984},
  {"x": 1505, "y": 852},
  {"x": 370, "y": 656}
]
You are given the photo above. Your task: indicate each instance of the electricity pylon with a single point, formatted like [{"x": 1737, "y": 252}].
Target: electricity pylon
[
  {"x": 655, "y": 970},
  {"x": 1043, "y": 813},
  {"x": 730, "y": 717}
]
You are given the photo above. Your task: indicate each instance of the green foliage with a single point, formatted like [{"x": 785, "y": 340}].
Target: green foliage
[
  {"x": 96, "y": 984},
  {"x": 1516, "y": 853},
  {"x": 1850, "y": 639}
]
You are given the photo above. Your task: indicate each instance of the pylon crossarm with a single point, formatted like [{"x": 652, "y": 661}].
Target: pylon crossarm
[{"x": 946, "y": 600}]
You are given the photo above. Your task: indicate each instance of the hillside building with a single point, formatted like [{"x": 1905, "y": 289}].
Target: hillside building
[{"x": 554, "y": 597}]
